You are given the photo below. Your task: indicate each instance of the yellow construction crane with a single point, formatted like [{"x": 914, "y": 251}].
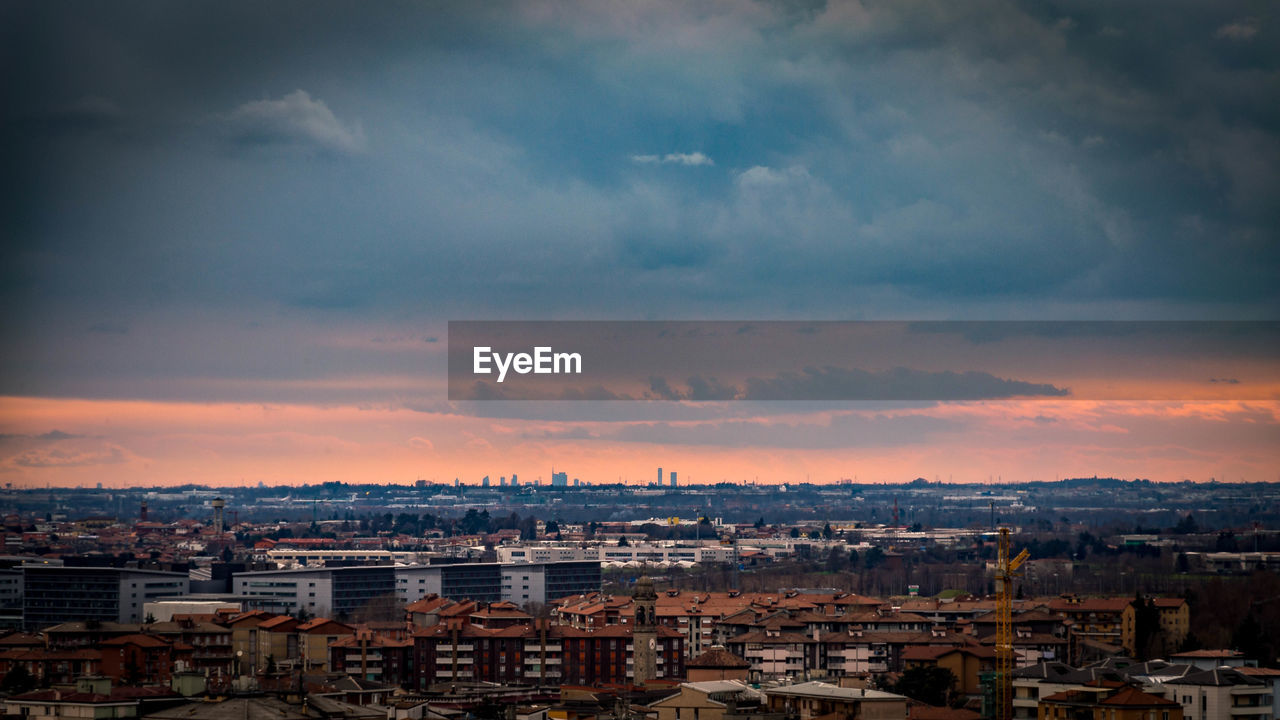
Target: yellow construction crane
[{"x": 1005, "y": 569}]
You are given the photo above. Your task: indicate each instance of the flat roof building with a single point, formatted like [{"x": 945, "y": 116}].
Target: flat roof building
[
  {"x": 53, "y": 594},
  {"x": 340, "y": 592}
]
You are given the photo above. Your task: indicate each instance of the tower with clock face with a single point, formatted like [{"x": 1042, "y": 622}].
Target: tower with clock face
[{"x": 644, "y": 634}]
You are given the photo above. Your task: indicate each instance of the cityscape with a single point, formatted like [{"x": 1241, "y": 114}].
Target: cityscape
[
  {"x": 639, "y": 360},
  {"x": 608, "y": 601}
]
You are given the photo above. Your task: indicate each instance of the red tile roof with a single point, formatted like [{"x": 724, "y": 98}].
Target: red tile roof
[{"x": 146, "y": 641}]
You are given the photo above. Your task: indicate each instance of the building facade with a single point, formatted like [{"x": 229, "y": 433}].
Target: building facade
[{"x": 56, "y": 594}]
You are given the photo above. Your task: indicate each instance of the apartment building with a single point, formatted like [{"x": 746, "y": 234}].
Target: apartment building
[
  {"x": 1221, "y": 694},
  {"x": 57, "y": 594},
  {"x": 321, "y": 592},
  {"x": 541, "y": 654}
]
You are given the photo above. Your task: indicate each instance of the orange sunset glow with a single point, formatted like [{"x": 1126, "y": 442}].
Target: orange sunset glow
[{"x": 129, "y": 443}]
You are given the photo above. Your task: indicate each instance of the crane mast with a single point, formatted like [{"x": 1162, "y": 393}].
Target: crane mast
[{"x": 1005, "y": 569}]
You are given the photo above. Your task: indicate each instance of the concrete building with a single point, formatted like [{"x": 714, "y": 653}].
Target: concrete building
[
  {"x": 1221, "y": 694},
  {"x": 541, "y": 653},
  {"x": 817, "y": 699},
  {"x": 1211, "y": 659},
  {"x": 340, "y": 592},
  {"x": 295, "y": 557},
  {"x": 1271, "y": 677},
  {"x": 1033, "y": 682},
  {"x": 709, "y": 700},
  {"x": 1112, "y": 703},
  {"x": 54, "y": 594},
  {"x": 325, "y": 592},
  {"x": 639, "y": 553}
]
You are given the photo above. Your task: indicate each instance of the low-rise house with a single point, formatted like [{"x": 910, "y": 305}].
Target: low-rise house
[
  {"x": 717, "y": 664},
  {"x": 315, "y": 637},
  {"x": 821, "y": 700},
  {"x": 1221, "y": 694},
  {"x": 134, "y": 659},
  {"x": 1108, "y": 703},
  {"x": 374, "y": 658},
  {"x": 1210, "y": 659},
  {"x": 1034, "y": 681},
  {"x": 92, "y": 699},
  {"x": 966, "y": 662},
  {"x": 709, "y": 700}
]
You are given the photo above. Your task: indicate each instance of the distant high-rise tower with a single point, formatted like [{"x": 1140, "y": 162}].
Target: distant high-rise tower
[
  {"x": 218, "y": 505},
  {"x": 485, "y": 481},
  {"x": 673, "y": 478},
  {"x": 515, "y": 481},
  {"x": 560, "y": 479},
  {"x": 659, "y": 476},
  {"x": 644, "y": 634}
]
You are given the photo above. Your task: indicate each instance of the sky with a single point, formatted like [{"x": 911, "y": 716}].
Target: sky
[{"x": 234, "y": 233}]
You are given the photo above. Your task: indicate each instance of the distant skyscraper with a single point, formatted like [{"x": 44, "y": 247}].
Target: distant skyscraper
[
  {"x": 559, "y": 479},
  {"x": 485, "y": 481},
  {"x": 514, "y": 480},
  {"x": 659, "y": 476},
  {"x": 502, "y": 481},
  {"x": 673, "y": 478}
]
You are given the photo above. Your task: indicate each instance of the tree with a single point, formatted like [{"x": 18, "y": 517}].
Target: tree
[
  {"x": 1249, "y": 638},
  {"x": 1187, "y": 526},
  {"x": 1148, "y": 637},
  {"x": 795, "y": 532},
  {"x": 827, "y": 532},
  {"x": 18, "y": 680},
  {"x": 552, "y": 528},
  {"x": 836, "y": 559},
  {"x": 927, "y": 684},
  {"x": 149, "y": 619},
  {"x": 874, "y": 558}
]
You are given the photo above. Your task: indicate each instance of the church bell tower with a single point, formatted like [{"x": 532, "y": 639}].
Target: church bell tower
[{"x": 644, "y": 634}]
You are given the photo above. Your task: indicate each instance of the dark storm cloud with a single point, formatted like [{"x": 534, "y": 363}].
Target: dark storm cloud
[
  {"x": 835, "y": 383},
  {"x": 51, "y": 436},
  {"x": 293, "y": 120},
  {"x": 418, "y": 161},
  {"x": 895, "y": 384},
  {"x": 840, "y": 431}
]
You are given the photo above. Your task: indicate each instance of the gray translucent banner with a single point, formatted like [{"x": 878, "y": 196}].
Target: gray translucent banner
[{"x": 883, "y": 361}]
